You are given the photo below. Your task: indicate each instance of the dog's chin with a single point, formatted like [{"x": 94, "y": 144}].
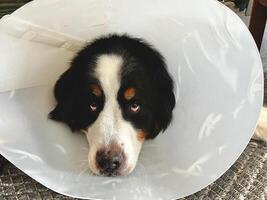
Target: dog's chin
[{"x": 124, "y": 172}]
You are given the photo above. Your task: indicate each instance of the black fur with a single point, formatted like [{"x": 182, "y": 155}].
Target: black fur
[{"x": 143, "y": 68}]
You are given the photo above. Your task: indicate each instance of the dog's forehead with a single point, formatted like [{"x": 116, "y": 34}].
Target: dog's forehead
[
  {"x": 111, "y": 72},
  {"x": 107, "y": 71}
]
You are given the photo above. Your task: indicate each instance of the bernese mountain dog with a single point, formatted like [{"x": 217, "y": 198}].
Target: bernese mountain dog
[{"x": 119, "y": 93}]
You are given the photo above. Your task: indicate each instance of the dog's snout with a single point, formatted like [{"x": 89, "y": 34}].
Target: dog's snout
[{"x": 109, "y": 163}]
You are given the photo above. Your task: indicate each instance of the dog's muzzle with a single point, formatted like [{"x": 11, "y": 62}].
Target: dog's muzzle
[{"x": 111, "y": 160}]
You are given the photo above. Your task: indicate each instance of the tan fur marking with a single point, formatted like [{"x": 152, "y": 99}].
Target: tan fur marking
[
  {"x": 96, "y": 90},
  {"x": 141, "y": 135},
  {"x": 129, "y": 93}
]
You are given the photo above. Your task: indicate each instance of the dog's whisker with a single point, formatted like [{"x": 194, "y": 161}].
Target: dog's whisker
[
  {"x": 142, "y": 168},
  {"x": 84, "y": 148},
  {"x": 141, "y": 157},
  {"x": 82, "y": 172},
  {"x": 83, "y": 161}
]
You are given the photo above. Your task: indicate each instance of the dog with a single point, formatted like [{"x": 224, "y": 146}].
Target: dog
[{"x": 119, "y": 93}]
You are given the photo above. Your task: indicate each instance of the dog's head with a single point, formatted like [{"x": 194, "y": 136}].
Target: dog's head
[{"x": 119, "y": 93}]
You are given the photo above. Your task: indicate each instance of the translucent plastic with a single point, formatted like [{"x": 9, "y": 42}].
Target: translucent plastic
[{"x": 210, "y": 54}]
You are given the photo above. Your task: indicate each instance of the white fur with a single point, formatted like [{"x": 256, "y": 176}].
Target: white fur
[
  {"x": 261, "y": 131},
  {"x": 110, "y": 125}
]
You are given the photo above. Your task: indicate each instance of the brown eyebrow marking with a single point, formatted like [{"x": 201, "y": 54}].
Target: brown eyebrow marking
[
  {"x": 141, "y": 135},
  {"x": 96, "y": 90},
  {"x": 129, "y": 93}
]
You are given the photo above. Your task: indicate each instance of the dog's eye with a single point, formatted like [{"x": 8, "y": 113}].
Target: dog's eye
[
  {"x": 93, "y": 107},
  {"x": 134, "y": 108}
]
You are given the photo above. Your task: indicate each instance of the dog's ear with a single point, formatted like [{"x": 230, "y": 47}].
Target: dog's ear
[
  {"x": 68, "y": 94},
  {"x": 162, "y": 87},
  {"x": 165, "y": 100}
]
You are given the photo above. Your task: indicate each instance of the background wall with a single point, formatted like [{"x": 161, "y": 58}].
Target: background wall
[{"x": 245, "y": 16}]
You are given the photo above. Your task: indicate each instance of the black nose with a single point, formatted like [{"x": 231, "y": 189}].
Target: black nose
[{"x": 108, "y": 163}]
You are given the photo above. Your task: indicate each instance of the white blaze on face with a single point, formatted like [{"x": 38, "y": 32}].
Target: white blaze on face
[{"x": 110, "y": 125}]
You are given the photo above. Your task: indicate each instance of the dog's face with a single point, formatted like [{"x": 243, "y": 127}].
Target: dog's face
[{"x": 119, "y": 93}]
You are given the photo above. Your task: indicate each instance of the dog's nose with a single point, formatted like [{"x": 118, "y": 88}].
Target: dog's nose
[{"x": 108, "y": 163}]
